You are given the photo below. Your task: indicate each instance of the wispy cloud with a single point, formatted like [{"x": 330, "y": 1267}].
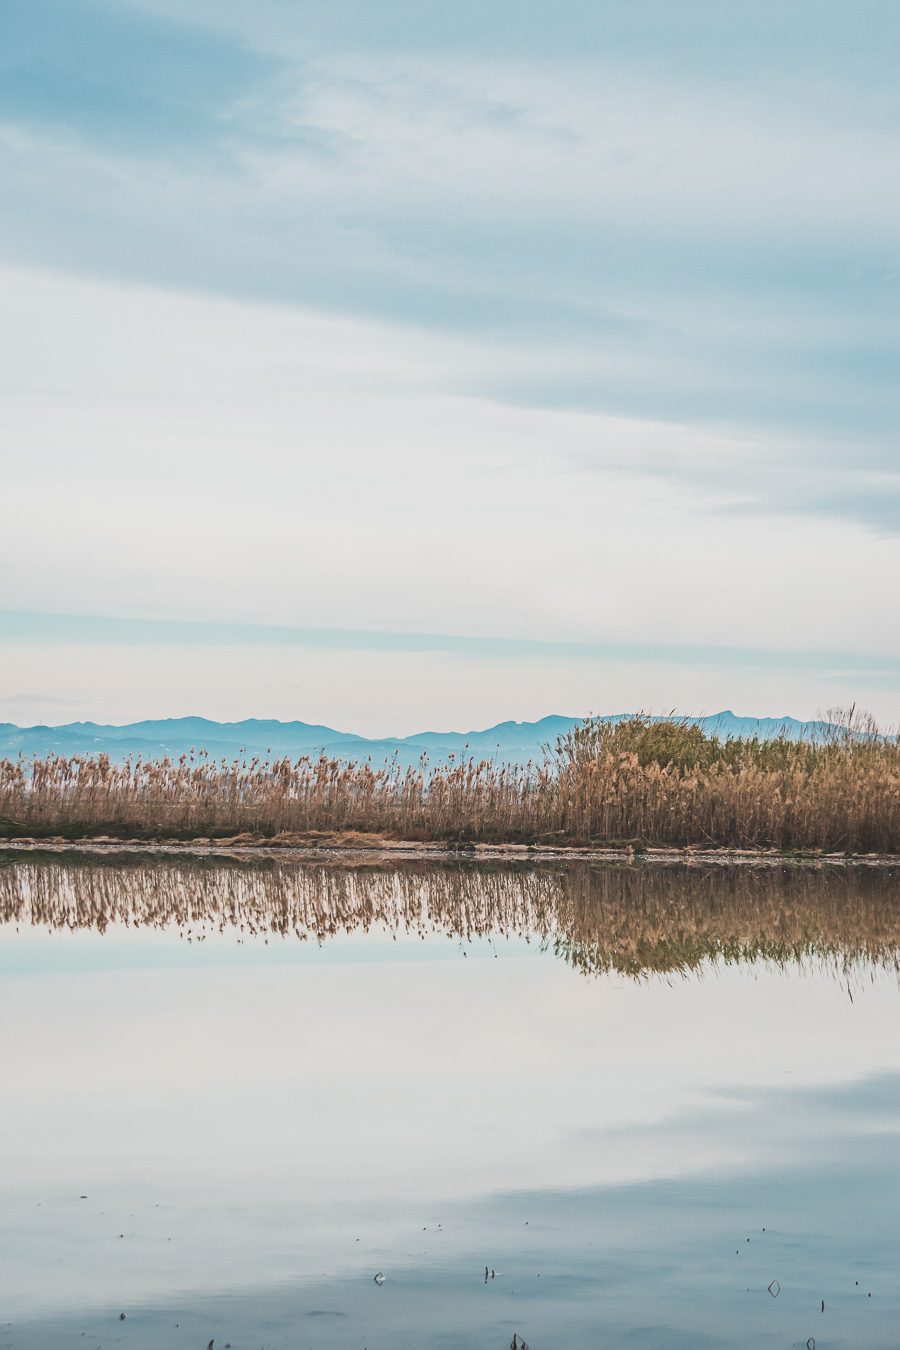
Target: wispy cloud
[
  {"x": 697, "y": 248},
  {"x": 37, "y": 699},
  {"x": 118, "y": 78},
  {"x": 30, "y": 627}
]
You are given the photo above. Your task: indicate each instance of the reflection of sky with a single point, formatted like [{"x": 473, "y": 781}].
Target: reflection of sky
[{"x": 275, "y": 1112}]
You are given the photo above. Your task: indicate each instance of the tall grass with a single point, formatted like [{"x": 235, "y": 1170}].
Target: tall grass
[{"x": 648, "y": 782}]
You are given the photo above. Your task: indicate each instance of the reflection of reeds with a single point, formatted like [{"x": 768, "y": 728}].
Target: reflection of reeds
[
  {"x": 658, "y": 783},
  {"x": 628, "y": 919}
]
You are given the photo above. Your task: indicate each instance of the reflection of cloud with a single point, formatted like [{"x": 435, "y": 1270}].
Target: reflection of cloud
[
  {"x": 806, "y": 1127},
  {"x": 662, "y": 1260}
]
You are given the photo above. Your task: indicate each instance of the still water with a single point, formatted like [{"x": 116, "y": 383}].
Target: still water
[{"x": 589, "y": 1106}]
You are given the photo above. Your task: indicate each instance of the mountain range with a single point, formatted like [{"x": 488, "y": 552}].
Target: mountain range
[{"x": 507, "y": 742}]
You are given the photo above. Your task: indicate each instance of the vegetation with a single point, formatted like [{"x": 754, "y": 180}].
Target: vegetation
[
  {"x": 642, "y": 781},
  {"x": 629, "y": 919}
]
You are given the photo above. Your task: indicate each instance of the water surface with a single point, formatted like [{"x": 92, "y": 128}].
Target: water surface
[{"x": 234, "y": 1093}]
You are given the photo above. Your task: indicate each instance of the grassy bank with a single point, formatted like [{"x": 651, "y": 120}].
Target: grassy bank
[{"x": 651, "y": 783}]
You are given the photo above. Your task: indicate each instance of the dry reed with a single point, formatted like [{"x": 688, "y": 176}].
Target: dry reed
[{"x": 649, "y": 783}]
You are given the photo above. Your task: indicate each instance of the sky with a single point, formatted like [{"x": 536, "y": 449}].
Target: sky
[{"x": 404, "y": 365}]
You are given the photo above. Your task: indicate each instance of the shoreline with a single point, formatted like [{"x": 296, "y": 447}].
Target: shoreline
[{"x": 355, "y": 848}]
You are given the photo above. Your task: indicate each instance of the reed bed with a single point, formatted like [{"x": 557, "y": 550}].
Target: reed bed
[
  {"x": 641, "y": 781},
  {"x": 632, "y": 920}
]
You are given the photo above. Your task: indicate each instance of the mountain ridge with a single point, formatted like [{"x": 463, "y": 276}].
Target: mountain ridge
[{"x": 506, "y": 742}]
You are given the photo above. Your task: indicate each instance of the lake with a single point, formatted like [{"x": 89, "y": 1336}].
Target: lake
[{"x": 582, "y": 1104}]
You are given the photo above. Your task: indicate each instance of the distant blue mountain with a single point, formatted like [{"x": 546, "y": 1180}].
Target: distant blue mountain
[{"x": 506, "y": 743}]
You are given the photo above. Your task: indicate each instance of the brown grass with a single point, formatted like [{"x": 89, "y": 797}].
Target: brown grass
[{"x": 650, "y": 783}]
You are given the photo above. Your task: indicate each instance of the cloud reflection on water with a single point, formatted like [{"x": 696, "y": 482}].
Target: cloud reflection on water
[{"x": 265, "y": 1114}]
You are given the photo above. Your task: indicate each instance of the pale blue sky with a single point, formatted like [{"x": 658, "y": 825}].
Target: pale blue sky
[{"x": 571, "y": 327}]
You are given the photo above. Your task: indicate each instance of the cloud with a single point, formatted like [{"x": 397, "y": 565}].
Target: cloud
[
  {"x": 666, "y": 241},
  {"x": 698, "y": 38},
  {"x": 208, "y": 459},
  {"x": 577, "y": 327},
  {"x": 118, "y": 77},
  {"x": 33, "y": 628},
  {"x": 35, "y": 699}
]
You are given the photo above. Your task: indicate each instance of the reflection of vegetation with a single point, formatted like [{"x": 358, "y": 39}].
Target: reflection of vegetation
[
  {"x": 629, "y": 919},
  {"x": 641, "y": 781}
]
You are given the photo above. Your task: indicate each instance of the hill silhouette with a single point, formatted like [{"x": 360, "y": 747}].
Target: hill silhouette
[{"x": 507, "y": 742}]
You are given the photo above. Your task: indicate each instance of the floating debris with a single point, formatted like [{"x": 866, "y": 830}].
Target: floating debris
[
  {"x": 811, "y": 1343},
  {"x": 379, "y": 1278},
  {"x": 774, "y": 1288}
]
